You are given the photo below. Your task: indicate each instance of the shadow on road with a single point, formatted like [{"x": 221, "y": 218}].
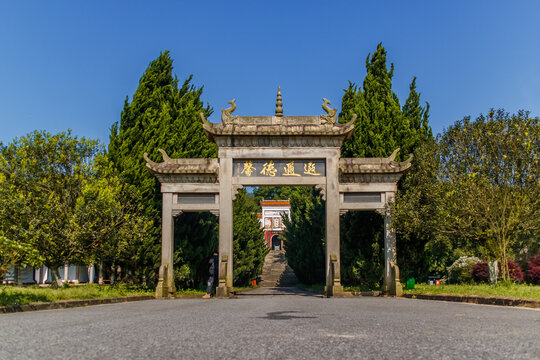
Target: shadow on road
[{"x": 286, "y": 315}]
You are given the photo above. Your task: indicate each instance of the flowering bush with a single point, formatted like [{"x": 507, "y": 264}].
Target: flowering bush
[
  {"x": 480, "y": 272},
  {"x": 533, "y": 272},
  {"x": 515, "y": 271},
  {"x": 461, "y": 270}
]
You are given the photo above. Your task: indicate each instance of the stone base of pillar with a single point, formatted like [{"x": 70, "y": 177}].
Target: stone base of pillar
[
  {"x": 172, "y": 291},
  {"x": 222, "y": 292},
  {"x": 392, "y": 285},
  {"x": 162, "y": 291},
  {"x": 333, "y": 291},
  {"x": 395, "y": 289}
]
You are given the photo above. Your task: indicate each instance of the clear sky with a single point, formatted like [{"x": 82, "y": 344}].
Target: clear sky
[{"x": 70, "y": 64}]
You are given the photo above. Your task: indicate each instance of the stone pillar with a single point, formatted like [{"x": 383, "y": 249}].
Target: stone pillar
[
  {"x": 37, "y": 275},
  {"x": 332, "y": 264},
  {"x": 91, "y": 272},
  {"x": 165, "y": 287},
  {"x": 225, "y": 285},
  {"x": 76, "y": 280},
  {"x": 66, "y": 273},
  {"x": 100, "y": 277},
  {"x": 391, "y": 284},
  {"x": 16, "y": 273}
]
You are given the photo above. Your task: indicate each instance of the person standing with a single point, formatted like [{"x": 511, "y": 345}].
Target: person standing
[{"x": 213, "y": 275}]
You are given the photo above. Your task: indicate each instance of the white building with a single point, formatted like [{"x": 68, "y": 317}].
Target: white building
[
  {"x": 73, "y": 274},
  {"x": 272, "y": 221}
]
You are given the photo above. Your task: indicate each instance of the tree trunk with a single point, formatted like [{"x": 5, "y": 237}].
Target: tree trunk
[
  {"x": 56, "y": 281},
  {"x": 493, "y": 272},
  {"x": 504, "y": 266},
  {"x": 16, "y": 275},
  {"x": 113, "y": 274},
  {"x": 100, "y": 278}
]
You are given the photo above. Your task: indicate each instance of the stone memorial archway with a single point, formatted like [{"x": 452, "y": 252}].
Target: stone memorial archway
[{"x": 277, "y": 150}]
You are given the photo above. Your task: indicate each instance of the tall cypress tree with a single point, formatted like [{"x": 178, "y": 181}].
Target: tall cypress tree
[
  {"x": 381, "y": 127},
  {"x": 304, "y": 235},
  {"x": 248, "y": 244},
  {"x": 161, "y": 115},
  {"x": 418, "y": 120}
]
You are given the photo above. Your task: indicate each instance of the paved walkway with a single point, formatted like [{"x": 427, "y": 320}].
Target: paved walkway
[
  {"x": 276, "y": 271},
  {"x": 274, "y": 324},
  {"x": 277, "y": 291}
]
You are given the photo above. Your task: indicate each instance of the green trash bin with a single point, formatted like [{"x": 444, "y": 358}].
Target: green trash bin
[{"x": 410, "y": 283}]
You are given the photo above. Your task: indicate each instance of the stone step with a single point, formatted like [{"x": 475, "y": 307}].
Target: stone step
[{"x": 276, "y": 271}]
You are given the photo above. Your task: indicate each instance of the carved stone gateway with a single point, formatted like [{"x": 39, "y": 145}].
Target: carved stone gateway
[{"x": 277, "y": 150}]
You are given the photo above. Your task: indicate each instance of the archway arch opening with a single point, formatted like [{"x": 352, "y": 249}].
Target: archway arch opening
[{"x": 276, "y": 243}]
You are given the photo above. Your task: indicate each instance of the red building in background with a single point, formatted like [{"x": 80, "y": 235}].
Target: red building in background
[{"x": 271, "y": 219}]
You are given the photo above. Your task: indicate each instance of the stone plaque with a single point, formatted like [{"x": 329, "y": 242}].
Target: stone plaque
[
  {"x": 279, "y": 168},
  {"x": 196, "y": 198},
  {"x": 358, "y": 197}
]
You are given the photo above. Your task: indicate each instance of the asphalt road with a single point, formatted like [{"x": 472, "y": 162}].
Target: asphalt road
[{"x": 270, "y": 325}]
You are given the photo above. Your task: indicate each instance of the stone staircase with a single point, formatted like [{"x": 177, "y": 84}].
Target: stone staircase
[{"x": 276, "y": 271}]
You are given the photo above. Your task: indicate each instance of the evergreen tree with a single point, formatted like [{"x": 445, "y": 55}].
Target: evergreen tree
[
  {"x": 304, "y": 235},
  {"x": 418, "y": 121},
  {"x": 161, "y": 115},
  {"x": 195, "y": 238},
  {"x": 362, "y": 244},
  {"x": 248, "y": 240},
  {"x": 415, "y": 251},
  {"x": 381, "y": 127}
]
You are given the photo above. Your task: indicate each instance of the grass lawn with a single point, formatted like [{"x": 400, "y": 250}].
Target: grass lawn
[
  {"x": 190, "y": 292},
  {"x": 509, "y": 290},
  {"x": 14, "y": 295}
]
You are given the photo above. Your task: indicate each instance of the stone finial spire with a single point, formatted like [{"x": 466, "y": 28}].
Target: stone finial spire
[{"x": 279, "y": 104}]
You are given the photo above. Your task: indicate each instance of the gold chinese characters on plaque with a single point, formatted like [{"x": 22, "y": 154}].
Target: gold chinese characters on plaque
[{"x": 279, "y": 167}]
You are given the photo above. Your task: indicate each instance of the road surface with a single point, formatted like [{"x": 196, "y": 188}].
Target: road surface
[{"x": 270, "y": 324}]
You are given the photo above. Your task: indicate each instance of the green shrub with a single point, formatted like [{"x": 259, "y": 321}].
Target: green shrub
[{"x": 461, "y": 270}]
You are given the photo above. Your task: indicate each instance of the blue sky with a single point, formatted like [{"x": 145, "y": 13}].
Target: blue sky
[{"x": 70, "y": 64}]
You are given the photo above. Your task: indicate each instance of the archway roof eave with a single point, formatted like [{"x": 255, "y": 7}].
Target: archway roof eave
[{"x": 264, "y": 126}]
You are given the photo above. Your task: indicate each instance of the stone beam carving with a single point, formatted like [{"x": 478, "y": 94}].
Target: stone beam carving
[
  {"x": 276, "y": 131},
  {"x": 183, "y": 170},
  {"x": 331, "y": 114},
  {"x": 322, "y": 190},
  {"x": 392, "y": 157},
  {"x": 176, "y": 212},
  {"x": 226, "y": 116},
  {"x": 381, "y": 212},
  {"x": 374, "y": 165},
  {"x": 235, "y": 189},
  {"x": 366, "y": 170}
]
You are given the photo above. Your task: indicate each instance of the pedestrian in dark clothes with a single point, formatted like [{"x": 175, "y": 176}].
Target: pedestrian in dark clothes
[{"x": 213, "y": 274}]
